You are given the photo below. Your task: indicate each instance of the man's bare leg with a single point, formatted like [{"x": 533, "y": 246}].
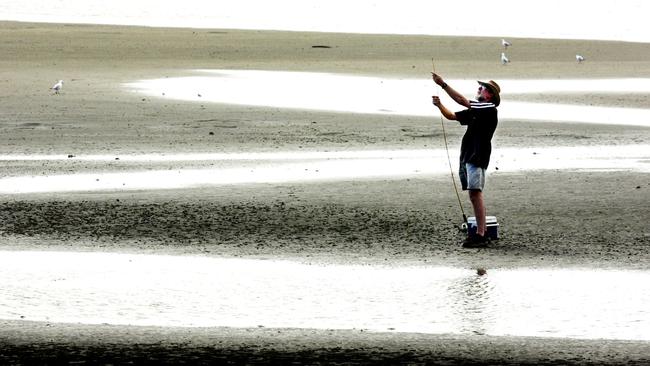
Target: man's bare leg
[{"x": 476, "y": 197}]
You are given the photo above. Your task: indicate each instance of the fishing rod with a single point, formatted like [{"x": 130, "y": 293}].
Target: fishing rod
[{"x": 451, "y": 170}]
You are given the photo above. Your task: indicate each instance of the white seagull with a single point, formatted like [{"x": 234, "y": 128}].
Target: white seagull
[
  {"x": 579, "y": 58},
  {"x": 504, "y": 59},
  {"x": 505, "y": 43},
  {"x": 56, "y": 87}
]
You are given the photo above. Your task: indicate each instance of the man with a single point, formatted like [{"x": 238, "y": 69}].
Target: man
[{"x": 481, "y": 120}]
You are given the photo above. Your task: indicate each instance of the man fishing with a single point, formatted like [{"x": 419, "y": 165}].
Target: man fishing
[{"x": 481, "y": 120}]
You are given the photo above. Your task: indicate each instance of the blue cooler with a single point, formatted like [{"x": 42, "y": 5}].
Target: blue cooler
[{"x": 491, "y": 227}]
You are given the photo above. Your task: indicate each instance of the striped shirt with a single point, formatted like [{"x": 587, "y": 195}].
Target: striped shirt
[{"x": 480, "y": 105}]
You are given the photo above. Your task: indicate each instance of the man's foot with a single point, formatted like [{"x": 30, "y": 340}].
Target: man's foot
[{"x": 476, "y": 241}]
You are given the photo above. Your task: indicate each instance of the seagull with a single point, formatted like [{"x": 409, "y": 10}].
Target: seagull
[
  {"x": 579, "y": 58},
  {"x": 56, "y": 87},
  {"x": 505, "y": 43},
  {"x": 504, "y": 59}
]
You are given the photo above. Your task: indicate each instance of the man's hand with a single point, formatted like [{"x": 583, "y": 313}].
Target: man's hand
[
  {"x": 443, "y": 110},
  {"x": 437, "y": 79}
]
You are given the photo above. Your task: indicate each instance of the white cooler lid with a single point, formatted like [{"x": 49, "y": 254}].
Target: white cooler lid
[{"x": 488, "y": 220}]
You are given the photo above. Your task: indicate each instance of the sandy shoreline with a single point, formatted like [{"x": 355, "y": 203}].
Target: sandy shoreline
[
  {"x": 548, "y": 219},
  {"x": 407, "y": 221}
]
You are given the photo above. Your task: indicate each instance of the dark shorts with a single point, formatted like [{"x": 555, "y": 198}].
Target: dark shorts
[{"x": 472, "y": 177}]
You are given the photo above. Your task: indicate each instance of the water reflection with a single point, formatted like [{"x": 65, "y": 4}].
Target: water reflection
[
  {"x": 375, "y": 95},
  {"x": 200, "y": 291},
  {"x": 473, "y": 296}
]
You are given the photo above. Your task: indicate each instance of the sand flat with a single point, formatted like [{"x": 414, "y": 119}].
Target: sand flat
[{"x": 551, "y": 218}]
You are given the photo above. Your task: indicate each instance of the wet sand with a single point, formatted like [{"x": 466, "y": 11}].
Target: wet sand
[
  {"x": 105, "y": 344},
  {"x": 548, "y": 219}
]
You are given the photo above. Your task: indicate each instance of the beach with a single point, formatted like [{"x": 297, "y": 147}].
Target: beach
[{"x": 553, "y": 218}]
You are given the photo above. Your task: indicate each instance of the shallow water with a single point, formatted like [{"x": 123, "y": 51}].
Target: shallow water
[
  {"x": 287, "y": 167},
  {"x": 94, "y": 288},
  {"x": 625, "y": 21},
  {"x": 375, "y": 95}
]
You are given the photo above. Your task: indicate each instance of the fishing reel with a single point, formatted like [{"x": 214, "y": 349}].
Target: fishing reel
[{"x": 463, "y": 227}]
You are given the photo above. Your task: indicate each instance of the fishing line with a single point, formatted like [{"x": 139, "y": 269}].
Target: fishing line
[{"x": 451, "y": 170}]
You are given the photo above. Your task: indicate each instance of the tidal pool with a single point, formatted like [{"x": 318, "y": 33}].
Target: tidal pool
[
  {"x": 190, "y": 291},
  {"x": 376, "y": 95},
  {"x": 292, "y": 167}
]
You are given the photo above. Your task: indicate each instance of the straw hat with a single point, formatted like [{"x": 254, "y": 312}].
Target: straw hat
[{"x": 494, "y": 90}]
